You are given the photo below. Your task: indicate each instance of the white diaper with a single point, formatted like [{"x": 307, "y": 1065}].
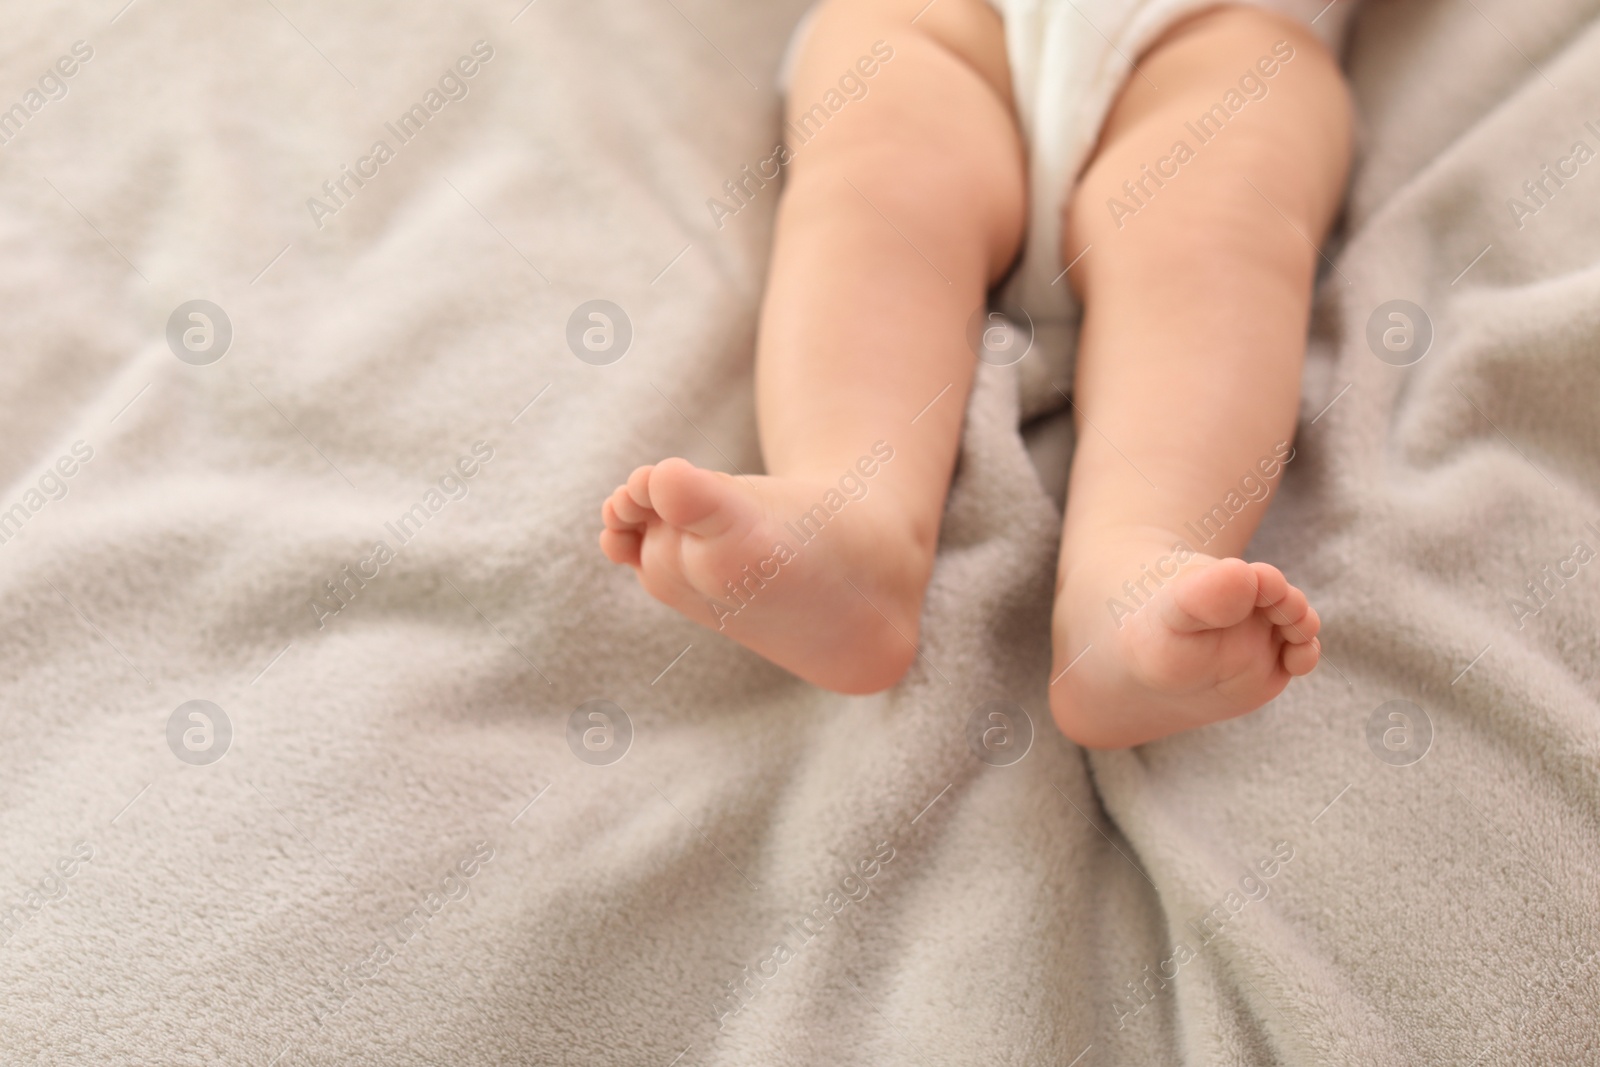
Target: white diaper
[{"x": 1069, "y": 60}]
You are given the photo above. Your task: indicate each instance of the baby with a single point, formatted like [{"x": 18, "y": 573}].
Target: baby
[{"x": 1192, "y": 249}]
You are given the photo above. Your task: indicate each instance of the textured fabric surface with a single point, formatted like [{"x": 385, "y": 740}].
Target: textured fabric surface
[{"x": 400, "y": 856}]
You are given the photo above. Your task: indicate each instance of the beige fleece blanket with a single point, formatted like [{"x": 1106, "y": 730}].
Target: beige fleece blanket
[{"x": 329, "y": 737}]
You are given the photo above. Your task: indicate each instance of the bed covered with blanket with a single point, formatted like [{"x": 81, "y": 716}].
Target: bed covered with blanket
[{"x": 328, "y": 736}]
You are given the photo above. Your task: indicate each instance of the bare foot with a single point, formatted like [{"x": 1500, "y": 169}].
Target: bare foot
[
  {"x": 825, "y": 585},
  {"x": 1218, "y": 639}
]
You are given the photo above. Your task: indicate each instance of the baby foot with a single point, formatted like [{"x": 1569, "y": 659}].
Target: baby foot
[
  {"x": 1218, "y": 639},
  {"x": 832, "y": 595}
]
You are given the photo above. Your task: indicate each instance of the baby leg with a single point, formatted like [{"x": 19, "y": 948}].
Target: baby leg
[
  {"x": 1196, "y": 292},
  {"x": 903, "y": 202}
]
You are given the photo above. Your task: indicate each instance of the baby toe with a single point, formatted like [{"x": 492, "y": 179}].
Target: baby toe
[
  {"x": 1218, "y": 595},
  {"x": 627, "y": 510},
  {"x": 621, "y": 546},
  {"x": 1271, "y": 585},
  {"x": 1288, "y": 609},
  {"x": 638, "y": 485},
  {"x": 1302, "y": 658},
  {"x": 1303, "y": 629}
]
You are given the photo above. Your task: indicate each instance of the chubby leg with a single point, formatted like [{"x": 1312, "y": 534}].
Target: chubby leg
[
  {"x": 1196, "y": 291},
  {"x": 903, "y": 202}
]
